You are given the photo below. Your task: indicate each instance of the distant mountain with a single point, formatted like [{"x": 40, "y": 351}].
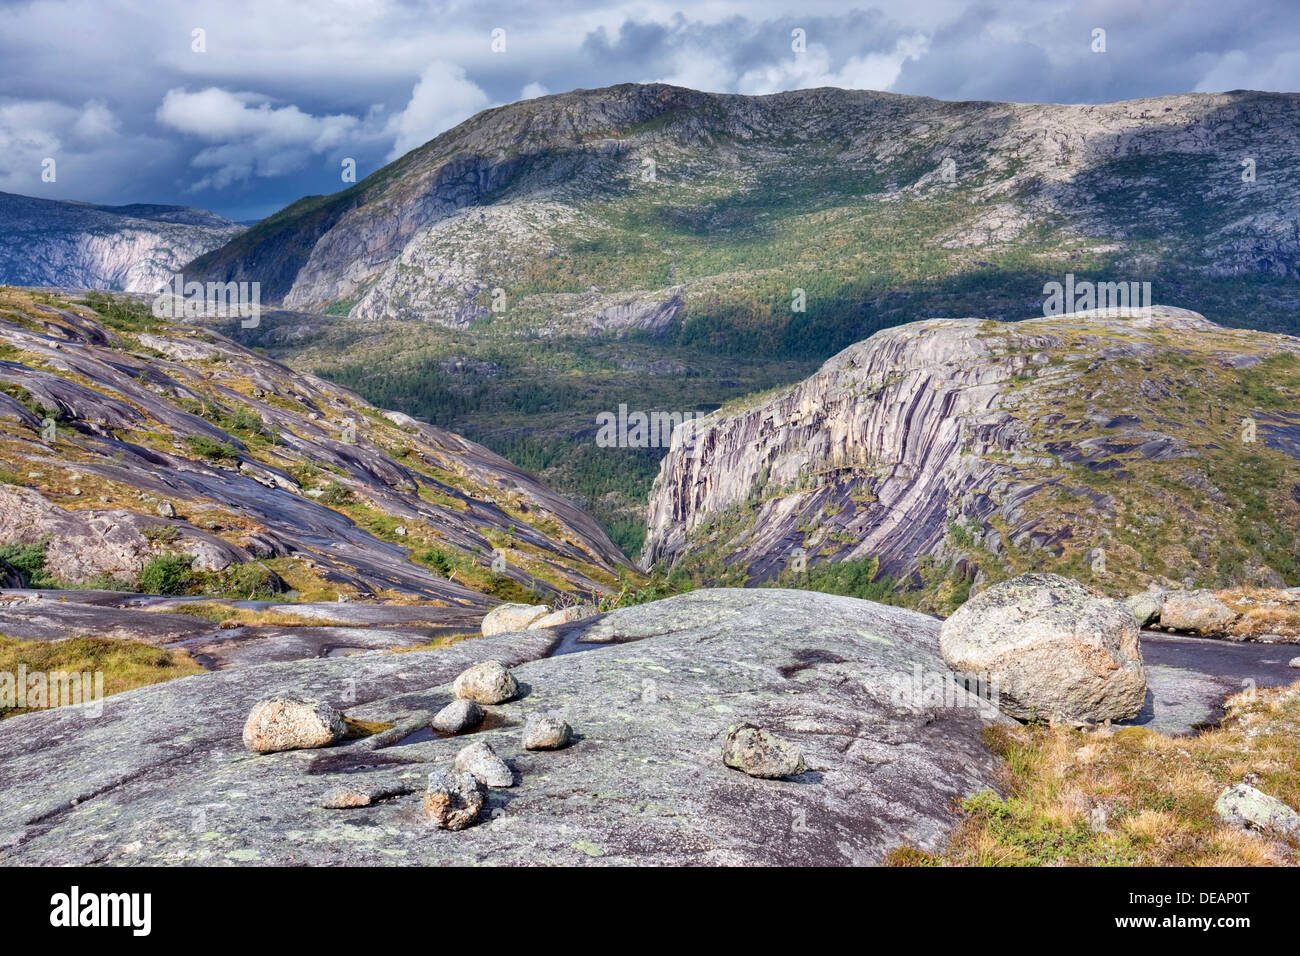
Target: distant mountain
[
  {"x": 697, "y": 215},
  {"x": 549, "y": 260},
  {"x": 135, "y": 248},
  {"x": 125, "y": 441},
  {"x": 1121, "y": 450}
]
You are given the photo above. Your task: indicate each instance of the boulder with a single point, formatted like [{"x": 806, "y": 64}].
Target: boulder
[
  {"x": 291, "y": 722},
  {"x": 512, "y": 617},
  {"x": 758, "y": 753},
  {"x": 1050, "y": 648},
  {"x": 1196, "y": 612},
  {"x": 482, "y": 761},
  {"x": 486, "y": 683},
  {"x": 1146, "y": 605},
  {"x": 453, "y": 800},
  {"x": 565, "y": 615},
  {"x": 1244, "y": 806},
  {"x": 546, "y": 732},
  {"x": 1294, "y": 662},
  {"x": 457, "y": 717}
]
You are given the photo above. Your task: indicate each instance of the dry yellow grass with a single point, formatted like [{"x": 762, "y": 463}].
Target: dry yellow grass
[{"x": 1131, "y": 796}]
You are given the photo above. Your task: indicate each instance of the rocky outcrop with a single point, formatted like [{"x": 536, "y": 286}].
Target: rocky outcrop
[
  {"x": 1050, "y": 649},
  {"x": 981, "y": 445},
  {"x": 642, "y": 782},
  {"x": 121, "y": 445},
  {"x": 77, "y": 245}
]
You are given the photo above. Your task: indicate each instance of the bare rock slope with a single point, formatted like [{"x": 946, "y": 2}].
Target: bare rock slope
[
  {"x": 124, "y": 440},
  {"x": 162, "y": 776}
]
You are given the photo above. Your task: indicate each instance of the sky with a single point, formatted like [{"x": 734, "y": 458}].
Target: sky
[{"x": 242, "y": 106}]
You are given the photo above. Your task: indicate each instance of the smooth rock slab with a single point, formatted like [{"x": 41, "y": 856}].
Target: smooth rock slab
[
  {"x": 486, "y": 683},
  {"x": 482, "y": 761},
  {"x": 1049, "y": 648},
  {"x": 457, "y": 717},
  {"x": 754, "y": 751},
  {"x": 512, "y": 617},
  {"x": 546, "y": 732},
  {"x": 453, "y": 800},
  {"x": 830, "y": 674},
  {"x": 292, "y": 722},
  {"x": 1246, "y": 806}
]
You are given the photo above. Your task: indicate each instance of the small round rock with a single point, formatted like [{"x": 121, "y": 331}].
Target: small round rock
[
  {"x": 457, "y": 717},
  {"x": 482, "y": 761},
  {"x": 292, "y": 722},
  {"x": 758, "y": 753},
  {"x": 453, "y": 799},
  {"x": 486, "y": 683},
  {"x": 546, "y": 732}
]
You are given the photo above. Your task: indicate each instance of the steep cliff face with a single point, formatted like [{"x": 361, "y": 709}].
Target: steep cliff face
[
  {"x": 81, "y": 246},
  {"x": 1124, "y": 448},
  {"x": 124, "y": 440}
]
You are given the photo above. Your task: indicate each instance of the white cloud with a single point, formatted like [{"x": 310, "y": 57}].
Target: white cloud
[
  {"x": 254, "y": 137},
  {"x": 442, "y": 98},
  {"x": 533, "y": 90}
]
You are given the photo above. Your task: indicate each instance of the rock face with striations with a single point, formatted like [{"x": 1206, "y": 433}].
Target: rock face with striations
[
  {"x": 964, "y": 441},
  {"x": 1050, "y": 648},
  {"x": 643, "y": 783}
]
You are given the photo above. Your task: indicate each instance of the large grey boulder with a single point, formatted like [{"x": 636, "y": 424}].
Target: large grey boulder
[
  {"x": 453, "y": 800},
  {"x": 482, "y": 761},
  {"x": 1146, "y": 605},
  {"x": 1051, "y": 649},
  {"x": 758, "y": 753},
  {"x": 512, "y": 617},
  {"x": 1196, "y": 612},
  {"x": 292, "y": 722},
  {"x": 1245, "y": 806},
  {"x": 565, "y": 615},
  {"x": 487, "y": 683},
  {"x": 160, "y": 777}
]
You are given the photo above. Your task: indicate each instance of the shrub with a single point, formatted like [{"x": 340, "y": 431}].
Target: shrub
[
  {"x": 160, "y": 533},
  {"x": 249, "y": 580},
  {"x": 336, "y": 494},
  {"x": 205, "y": 447},
  {"x": 169, "y": 574},
  {"x": 29, "y": 561}
]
